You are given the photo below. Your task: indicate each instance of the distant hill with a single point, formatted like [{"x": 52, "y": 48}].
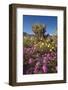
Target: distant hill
[
  {"x": 48, "y": 36},
  {"x": 26, "y": 34}
]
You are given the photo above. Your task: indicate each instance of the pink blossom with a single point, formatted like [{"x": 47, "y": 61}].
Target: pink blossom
[
  {"x": 36, "y": 69},
  {"x": 44, "y": 68},
  {"x": 30, "y": 61}
]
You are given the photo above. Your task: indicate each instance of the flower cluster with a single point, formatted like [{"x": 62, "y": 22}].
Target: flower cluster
[{"x": 40, "y": 57}]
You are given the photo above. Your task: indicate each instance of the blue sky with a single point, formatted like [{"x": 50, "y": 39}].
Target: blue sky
[{"x": 49, "y": 21}]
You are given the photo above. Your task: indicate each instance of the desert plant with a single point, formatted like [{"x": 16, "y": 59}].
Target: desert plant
[{"x": 39, "y": 30}]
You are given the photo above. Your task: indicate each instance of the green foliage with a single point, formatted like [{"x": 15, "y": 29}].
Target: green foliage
[
  {"x": 26, "y": 41},
  {"x": 42, "y": 45}
]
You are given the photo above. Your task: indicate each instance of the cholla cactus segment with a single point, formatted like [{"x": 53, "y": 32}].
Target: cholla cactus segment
[{"x": 39, "y": 30}]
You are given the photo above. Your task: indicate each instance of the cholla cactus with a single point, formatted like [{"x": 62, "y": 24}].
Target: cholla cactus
[{"x": 39, "y": 30}]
